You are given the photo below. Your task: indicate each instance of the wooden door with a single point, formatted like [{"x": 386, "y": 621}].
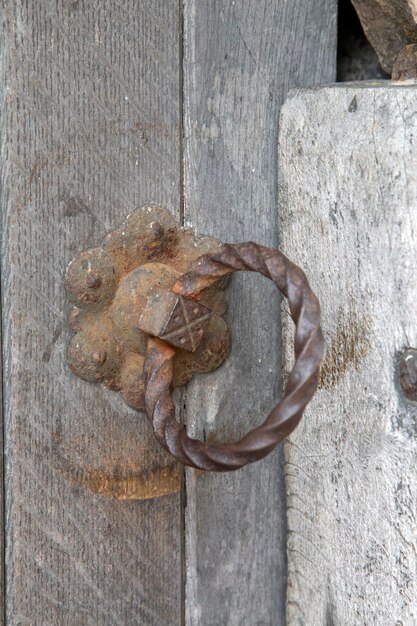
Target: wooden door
[{"x": 109, "y": 105}]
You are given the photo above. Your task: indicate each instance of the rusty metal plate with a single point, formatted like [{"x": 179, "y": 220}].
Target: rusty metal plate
[{"x": 113, "y": 288}]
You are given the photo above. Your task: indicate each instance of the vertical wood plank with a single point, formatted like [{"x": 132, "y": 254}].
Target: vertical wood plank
[
  {"x": 2, "y": 381},
  {"x": 91, "y": 129},
  {"x": 2, "y": 529},
  {"x": 240, "y": 58},
  {"x": 348, "y": 201}
]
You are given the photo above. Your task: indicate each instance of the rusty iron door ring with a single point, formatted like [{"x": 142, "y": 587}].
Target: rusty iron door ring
[
  {"x": 148, "y": 307},
  {"x": 301, "y": 384}
]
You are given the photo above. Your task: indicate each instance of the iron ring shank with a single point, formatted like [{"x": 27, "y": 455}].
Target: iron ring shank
[{"x": 302, "y": 382}]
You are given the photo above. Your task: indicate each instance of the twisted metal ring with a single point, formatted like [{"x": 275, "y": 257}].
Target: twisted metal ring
[{"x": 302, "y": 382}]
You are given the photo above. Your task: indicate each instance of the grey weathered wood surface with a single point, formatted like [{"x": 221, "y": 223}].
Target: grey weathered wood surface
[
  {"x": 1, "y": 376},
  {"x": 91, "y": 129},
  {"x": 1, "y": 488},
  {"x": 240, "y": 58},
  {"x": 348, "y": 211},
  {"x": 110, "y": 105}
]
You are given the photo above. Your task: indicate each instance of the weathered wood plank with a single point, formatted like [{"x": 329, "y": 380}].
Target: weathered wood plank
[
  {"x": 348, "y": 208},
  {"x": 2, "y": 381},
  {"x": 2, "y": 306},
  {"x": 91, "y": 129},
  {"x": 239, "y": 60},
  {"x": 1, "y": 476}
]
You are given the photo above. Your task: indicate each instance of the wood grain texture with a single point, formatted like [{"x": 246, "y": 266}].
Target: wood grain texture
[
  {"x": 240, "y": 58},
  {"x": 91, "y": 129},
  {"x": 348, "y": 211},
  {"x": 2, "y": 381}
]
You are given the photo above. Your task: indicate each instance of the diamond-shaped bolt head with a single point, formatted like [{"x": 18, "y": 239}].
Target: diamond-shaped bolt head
[{"x": 175, "y": 319}]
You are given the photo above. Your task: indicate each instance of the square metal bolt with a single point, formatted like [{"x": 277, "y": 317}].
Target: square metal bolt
[{"x": 175, "y": 319}]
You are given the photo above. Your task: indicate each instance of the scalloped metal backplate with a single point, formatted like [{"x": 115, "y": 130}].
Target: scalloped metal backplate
[{"x": 109, "y": 288}]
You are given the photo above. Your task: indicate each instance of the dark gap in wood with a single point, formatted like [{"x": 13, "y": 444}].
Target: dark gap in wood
[{"x": 356, "y": 59}]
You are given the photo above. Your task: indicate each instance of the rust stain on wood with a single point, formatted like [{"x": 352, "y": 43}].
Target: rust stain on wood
[
  {"x": 125, "y": 469},
  {"x": 125, "y": 483},
  {"x": 348, "y": 347},
  {"x": 155, "y": 483}
]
